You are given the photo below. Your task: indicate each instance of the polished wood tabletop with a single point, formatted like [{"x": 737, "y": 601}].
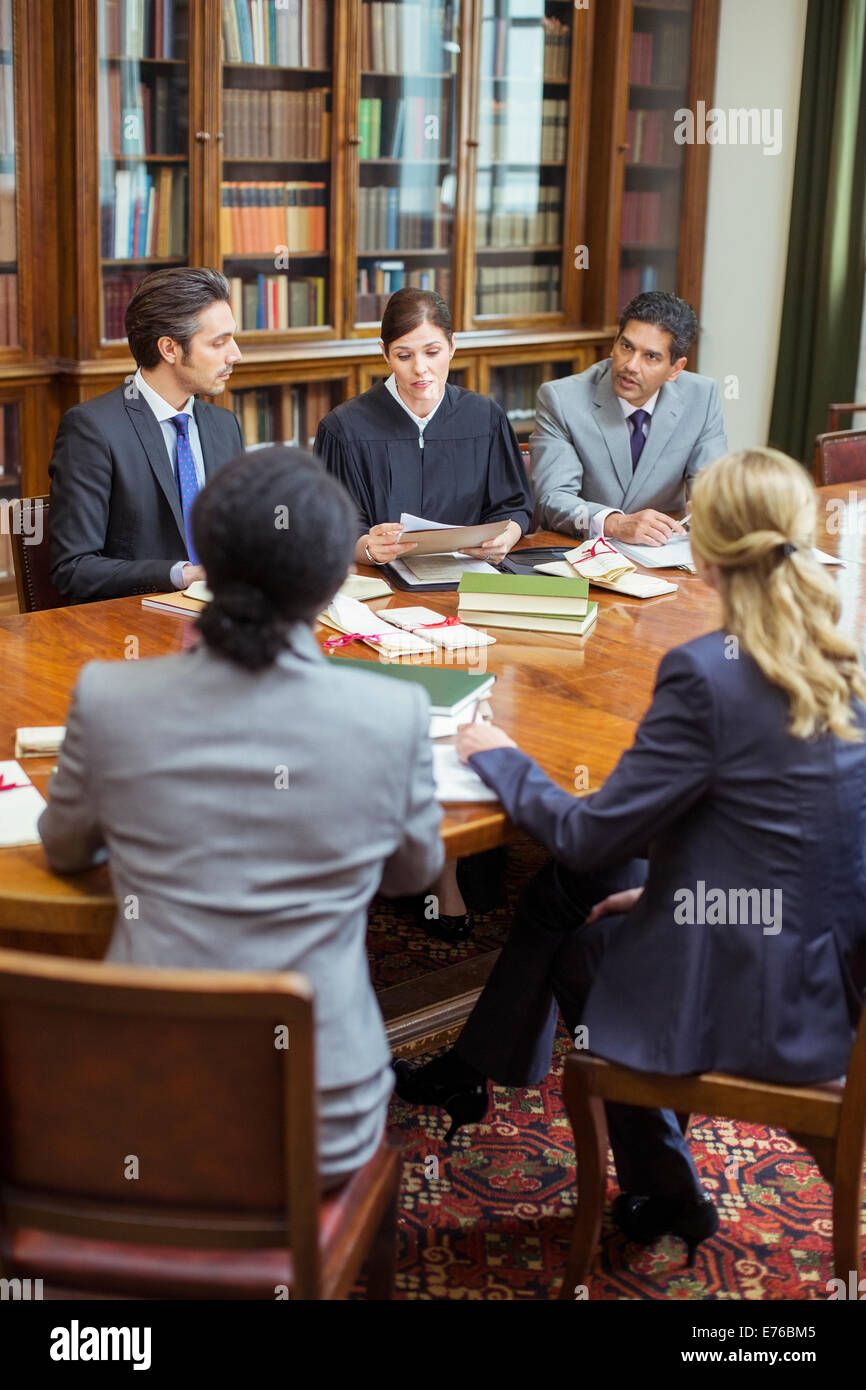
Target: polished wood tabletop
[{"x": 572, "y": 706}]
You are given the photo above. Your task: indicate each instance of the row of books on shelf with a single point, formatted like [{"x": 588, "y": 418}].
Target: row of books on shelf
[
  {"x": 517, "y": 289},
  {"x": 8, "y": 313},
  {"x": 277, "y": 124},
  {"x": 528, "y": 217},
  {"x": 510, "y": 50},
  {"x": 634, "y": 279},
  {"x": 522, "y": 388},
  {"x": 118, "y": 287},
  {"x": 278, "y": 302},
  {"x": 377, "y": 282},
  {"x": 661, "y": 57},
  {"x": 141, "y": 117},
  {"x": 511, "y": 130},
  {"x": 143, "y": 214},
  {"x": 10, "y": 449},
  {"x": 258, "y": 218},
  {"x": 412, "y": 127},
  {"x": 650, "y": 138},
  {"x": 407, "y": 38},
  {"x": 647, "y": 217},
  {"x": 7, "y": 109},
  {"x": 145, "y": 28},
  {"x": 282, "y": 414},
  {"x": 409, "y": 217},
  {"x": 286, "y": 34},
  {"x": 8, "y": 223}
]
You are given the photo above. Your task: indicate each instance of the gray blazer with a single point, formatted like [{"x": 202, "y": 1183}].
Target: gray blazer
[
  {"x": 249, "y": 818},
  {"x": 581, "y": 454}
]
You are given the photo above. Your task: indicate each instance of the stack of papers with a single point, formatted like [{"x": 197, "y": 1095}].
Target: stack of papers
[
  {"x": 20, "y": 807},
  {"x": 456, "y": 781},
  {"x": 603, "y": 565},
  {"x": 39, "y": 742},
  {"x": 350, "y": 616},
  {"x": 453, "y": 638}
]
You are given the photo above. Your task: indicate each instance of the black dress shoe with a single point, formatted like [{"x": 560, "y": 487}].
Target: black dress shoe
[
  {"x": 646, "y": 1219},
  {"x": 452, "y": 930},
  {"x": 440, "y": 1083}
]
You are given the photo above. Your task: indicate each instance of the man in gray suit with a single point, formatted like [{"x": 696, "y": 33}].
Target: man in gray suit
[
  {"x": 616, "y": 447},
  {"x": 250, "y": 795}
]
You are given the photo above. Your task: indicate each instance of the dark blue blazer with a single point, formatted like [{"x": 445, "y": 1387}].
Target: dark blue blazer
[
  {"x": 727, "y": 798},
  {"x": 116, "y": 522}
]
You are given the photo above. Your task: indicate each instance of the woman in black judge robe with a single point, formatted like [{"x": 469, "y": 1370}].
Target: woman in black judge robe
[{"x": 415, "y": 444}]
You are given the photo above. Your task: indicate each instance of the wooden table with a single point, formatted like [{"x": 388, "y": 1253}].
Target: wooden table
[{"x": 573, "y": 707}]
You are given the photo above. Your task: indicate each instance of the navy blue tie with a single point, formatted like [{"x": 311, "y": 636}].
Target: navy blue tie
[
  {"x": 187, "y": 481},
  {"x": 638, "y": 438}
]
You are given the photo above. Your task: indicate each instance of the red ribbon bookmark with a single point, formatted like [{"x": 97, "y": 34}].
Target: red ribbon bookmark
[
  {"x": 355, "y": 637},
  {"x": 11, "y": 786}
]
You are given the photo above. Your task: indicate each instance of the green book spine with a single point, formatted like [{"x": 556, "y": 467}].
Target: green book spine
[
  {"x": 364, "y": 128},
  {"x": 525, "y": 585}
]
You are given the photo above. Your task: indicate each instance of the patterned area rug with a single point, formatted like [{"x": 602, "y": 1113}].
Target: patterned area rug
[{"x": 491, "y": 1217}]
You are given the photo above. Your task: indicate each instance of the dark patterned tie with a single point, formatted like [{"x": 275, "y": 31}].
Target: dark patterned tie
[
  {"x": 187, "y": 481},
  {"x": 638, "y": 438}
]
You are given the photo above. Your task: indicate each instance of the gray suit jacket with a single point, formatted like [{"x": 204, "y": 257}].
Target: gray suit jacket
[
  {"x": 581, "y": 454},
  {"x": 177, "y": 767}
]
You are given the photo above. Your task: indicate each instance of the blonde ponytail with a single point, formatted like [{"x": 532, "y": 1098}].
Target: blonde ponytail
[{"x": 753, "y": 516}]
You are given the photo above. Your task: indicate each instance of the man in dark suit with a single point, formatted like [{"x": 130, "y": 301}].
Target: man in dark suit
[{"x": 127, "y": 466}]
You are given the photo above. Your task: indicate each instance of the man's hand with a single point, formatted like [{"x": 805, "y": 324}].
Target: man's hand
[
  {"x": 495, "y": 550},
  {"x": 642, "y": 528},
  {"x": 191, "y": 573},
  {"x": 617, "y": 902},
  {"x": 478, "y": 738},
  {"x": 383, "y": 543}
]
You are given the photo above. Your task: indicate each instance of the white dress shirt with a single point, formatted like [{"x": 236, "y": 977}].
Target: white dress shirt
[
  {"x": 420, "y": 420},
  {"x": 596, "y": 525},
  {"x": 164, "y": 413}
]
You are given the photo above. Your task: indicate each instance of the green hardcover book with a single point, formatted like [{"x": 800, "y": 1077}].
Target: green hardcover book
[
  {"x": 575, "y": 626},
  {"x": 364, "y": 128},
  {"x": 375, "y": 127},
  {"x": 535, "y": 594},
  {"x": 450, "y": 691}
]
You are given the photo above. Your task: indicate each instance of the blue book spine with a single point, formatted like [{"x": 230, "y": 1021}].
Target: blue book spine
[
  {"x": 245, "y": 29},
  {"x": 272, "y": 34},
  {"x": 260, "y": 307}
]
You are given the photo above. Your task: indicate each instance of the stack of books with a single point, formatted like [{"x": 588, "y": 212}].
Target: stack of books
[{"x": 534, "y": 603}]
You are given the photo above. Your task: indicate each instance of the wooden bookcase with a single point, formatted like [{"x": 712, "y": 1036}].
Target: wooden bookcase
[{"x": 323, "y": 152}]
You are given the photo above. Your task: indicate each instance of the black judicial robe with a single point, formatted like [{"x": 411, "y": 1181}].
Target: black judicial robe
[{"x": 469, "y": 471}]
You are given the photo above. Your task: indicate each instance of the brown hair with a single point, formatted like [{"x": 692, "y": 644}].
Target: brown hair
[
  {"x": 408, "y": 309},
  {"x": 168, "y": 304}
]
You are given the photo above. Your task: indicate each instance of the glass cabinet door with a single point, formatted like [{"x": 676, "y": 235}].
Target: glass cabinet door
[
  {"x": 523, "y": 105},
  {"x": 9, "y": 334},
  {"x": 284, "y": 414},
  {"x": 659, "y": 62},
  {"x": 407, "y": 130},
  {"x": 143, "y": 134},
  {"x": 277, "y": 84}
]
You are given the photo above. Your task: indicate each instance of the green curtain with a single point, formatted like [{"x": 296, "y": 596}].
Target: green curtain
[{"x": 822, "y": 310}]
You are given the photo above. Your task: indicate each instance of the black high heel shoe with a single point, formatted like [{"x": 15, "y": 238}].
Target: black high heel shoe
[
  {"x": 646, "y": 1219},
  {"x": 466, "y": 1102},
  {"x": 452, "y": 930}
]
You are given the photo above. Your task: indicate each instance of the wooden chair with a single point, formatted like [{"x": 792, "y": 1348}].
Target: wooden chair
[
  {"x": 829, "y": 1120},
  {"x": 840, "y": 457},
  {"x": 527, "y": 459},
  {"x": 31, "y": 556},
  {"x": 158, "y": 1139},
  {"x": 845, "y": 408}
]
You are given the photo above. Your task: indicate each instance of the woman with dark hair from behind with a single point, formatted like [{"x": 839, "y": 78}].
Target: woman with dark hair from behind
[
  {"x": 414, "y": 443},
  {"x": 252, "y": 795}
]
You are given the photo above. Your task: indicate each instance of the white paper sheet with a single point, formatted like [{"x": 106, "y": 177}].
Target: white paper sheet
[
  {"x": 19, "y": 809},
  {"x": 677, "y": 551},
  {"x": 455, "y": 781},
  {"x": 441, "y": 569}
]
